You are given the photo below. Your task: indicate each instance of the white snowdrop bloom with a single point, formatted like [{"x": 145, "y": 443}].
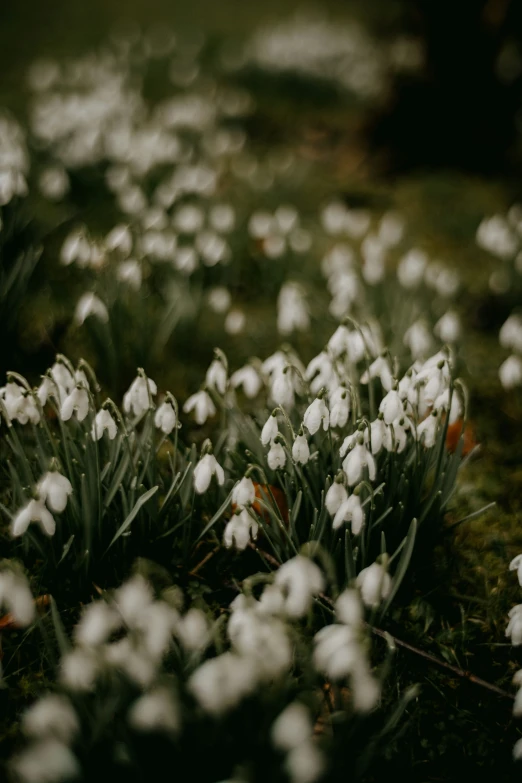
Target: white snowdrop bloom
[
  {"x": 212, "y": 248},
  {"x": 447, "y": 327},
  {"x": 216, "y": 377},
  {"x": 300, "y": 241},
  {"x": 235, "y": 321},
  {"x": 244, "y": 492},
  {"x": 427, "y": 431},
  {"x": 447, "y": 282},
  {"x": 165, "y": 417},
  {"x": 249, "y": 379},
  {"x": 335, "y": 497},
  {"x": 54, "y": 489},
  {"x": 356, "y": 461},
  {"x": 514, "y": 628},
  {"x": 300, "y": 450},
  {"x": 219, "y": 299},
  {"x": 188, "y": 219},
  {"x": 12, "y": 183},
  {"x": 510, "y": 372},
  {"x": 16, "y": 596},
  {"x": 274, "y": 246},
  {"x": 373, "y": 270},
  {"x": 202, "y": 405},
  {"x": 391, "y": 229},
  {"x": 97, "y": 622},
  {"x": 338, "y": 344},
  {"x": 132, "y": 200},
  {"x": 133, "y": 661},
  {"x": 220, "y": 683},
  {"x": 222, "y": 218},
  {"x": 129, "y": 272},
  {"x": 51, "y": 716},
  {"x": 155, "y": 711},
  {"x": 510, "y": 335},
  {"x": 282, "y": 389},
  {"x": 90, "y": 305},
  {"x": 356, "y": 222},
  {"x": 185, "y": 259},
  {"x": 292, "y": 309},
  {"x": 350, "y": 441},
  {"x": 46, "y": 761},
  {"x": 239, "y": 530},
  {"x": 348, "y": 608},
  {"x": 391, "y": 407},
  {"x": 395, "y": 435},
  {"x": 321, "y": 372},
  {"x": 418, "y": 339},
  {"x": 260, "y": 638},
  {"x": 193, "y": 630},
  {"x": 292, "y": 727},
  {"x": 340, "y": 403},
  {"x": 337, "y": 652},
  {"x": 276, "y": 456},
  {"x": 119, "y": 239},
  {"x": 207, "y": 467},
  {"x": 495, "y": 235},
  {"x": 138, "y": 398},
  {"x": 379, "y": 368},
  {"x": 316, "y": 414},
  {"x": 410, "y": 271},
  {"x": 34, "y": 511},
  {"x": 20, "y": 404},
  {"x": 133, "y": 601},
  {"x": 374, "y": 435},
  {"x": 275, "y": 363},
  {"x": 516, "y": 565},
  {"x": 442, "y": 403},
  {"x": 305, "y": 764},
  {"x": 54, "y": 183},
  {"x": 75, "y": 402},
  {"x": 104, "y": 422},
  {"x": 286, "y": 217},
  {"x": 260, "y": 225},
  {"x": 299, "y": 579},
  {"x": 375, "y": 585},
  {"x": 333, "y": 218},
  {"x": 62, "y": 376},
  {"x": 272, "y": 601},
  {"x": 157, "y": 627},
  {"x": 79, "y": 669},
  {"x": 339, "y": 259},
  {"x": 350, "y": 511},
  {"x": 270, "y": 430}
]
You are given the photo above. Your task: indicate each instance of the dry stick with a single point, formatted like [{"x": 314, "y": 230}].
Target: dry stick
[{"x": 427, "y": 656}]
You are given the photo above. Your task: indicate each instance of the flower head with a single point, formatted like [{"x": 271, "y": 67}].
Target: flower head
[
  {"x": 202, "y": 405},
  {"x": 207, "y": 467},
  {"x": 138, "y": 399},
  {"x": 54, "y": 489},
  {"x": 165, "y": 417}
]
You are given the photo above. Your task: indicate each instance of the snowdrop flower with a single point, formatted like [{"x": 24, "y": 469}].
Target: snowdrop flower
[
  {"x": 305, "y": 764},
  {"x": 321, "y": 372},
  {"x": 395, "y": 436},
  {"x": 299, "y": 579},
  {"x": 447, "y": 327},
  {"x": 219, "y": 299},
  {"x": 300, "y": 450},
  {"x": 270, "y": 430},
  {"x": 51, "y": 716},
  {"x": 155, "y": 711},
  {"x": 348, "y": 608},
  {"x": 54, "y": 489},
  {"x": 355, "y": 462},
  {"x": 104, "y": 422},
  {"x": 350, "y": 511},
  {"x": 337, "y": 652},
  {"x": 34, "y": 511},
  {"x": 75, "y": 402},
  {"x": 193, "y": 630},
  {"x": 411, "y": 268},
  {"x": 249, "y": 379},
  {"x": 379, "y": 368},
  {"x": 276, "y": 456},
  {"x": 516, "y": 565},
  {"x": 391, "y": 407},
  {"x": 374, "y": 435},
  {"x": 207, "y": 467},
  {"x": 235, "y": 321},
  {"x": 510, "y": 335},
  {"x": 222, "y": 218},
  {"x": 46, "y": 760},
  {"x": 316, "y": 414},
  {"x": 90, "y": 304},
  {"x": 335, "y": 497},
  {"x": 165, "y": 417},
  {"x": 282, "y": 389},
  {"x": 19, "y": 404},
  {"x": 244, "y": 493},
  {"x": 240, "y": 529},
  {"x": 130, "y": 272},
  {"x": 495, "y": 235},
  {"x": 375, "y": 585},
  {"x": 418, "y": 339},
  {"x": 54, "y": 183},
  {"x": 427, "y": 431},
  {"x": 222, "y": 682},
  {"x": 216, "y": 377},
  {"x": 202, "y": 405},
  {"x": 514, "y": 628},
  {"x": 292, "y": 727},
  {"x": 442, "y": 403},
  {"x": 292, "y": 310},
  {"x": 97, "y": 622},
  {"x": 119, "y": 238},
  {"x": 339, "y": 407},
  {"x": 138, "y": 398},
  {"x": 510, "y": 372},
  {"x": 16, "y": 596},
  {"x": 79, "y": 669}
]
